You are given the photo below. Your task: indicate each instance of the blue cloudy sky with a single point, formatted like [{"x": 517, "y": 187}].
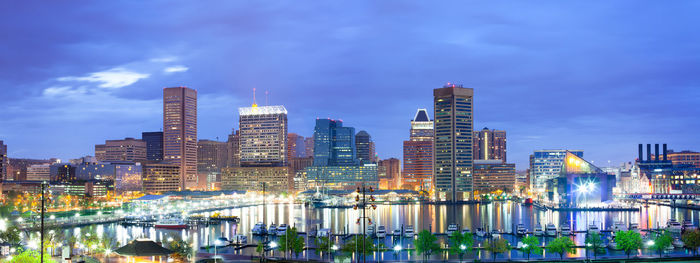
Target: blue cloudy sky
[{"x": 600, "y": 76}]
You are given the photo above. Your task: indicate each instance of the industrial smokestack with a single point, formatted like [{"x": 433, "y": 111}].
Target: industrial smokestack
[
  {"x": 641, "y": 153},
  {"x": 648, "y": 152},
  {"x": 656, "y": 152},
  {"x": 665, "y": 153}
]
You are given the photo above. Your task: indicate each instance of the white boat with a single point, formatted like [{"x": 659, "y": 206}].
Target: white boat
[
  {"x": 221, "y": 242},
  {"x": 520, "y": 245},
  {"x": 673, "y": 226},
  {"x": 495, "y": 233},
  {"x": 550, "y": 230},
  {"x": 520, "y": 230},
  {"x": 408, "y": 232},
  {"x": 323, "y": 232},
  {"x": 239, "y": 240},
  {"x": 370, "y": 230},
  {"x": 465, "y": 230},
  {"x": 171, "y": 223},
  {"x": 565, "y": 230},
  {"x": 259, "y": 229},
  {"x": 538, "y": 230},
  {"x": 688, "y": 226},
  {"x": 634, "y": 227},
  {"x": 397, "y": 232},
  {"x": 618, "y": 226},
  {"x": 381, "y": 232},
  {"x": 593, "y": 228},
  {"x": 282, "y": 229},
  {"x": 272, "y": 230},
  {"x": 451, "y": 229},
  {"x": 678, "y": 243},
  {"x": 480, "y": 232}
]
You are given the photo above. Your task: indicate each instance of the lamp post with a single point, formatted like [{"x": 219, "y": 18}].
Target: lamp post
[
  {"x": 273, "y": 245},
  {"x": 334, "y": 248},
  {"x": 362, "y": 204},
  {"x": 462, "y": 247},
  {"x": 397, "y": 251}
]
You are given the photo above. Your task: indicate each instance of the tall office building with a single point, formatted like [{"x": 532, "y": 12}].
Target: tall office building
[
  {"x": 4, "y": 161},
  {"x": 546, "y": 165},
  {"x": 263, "y": 140},
  {"x": 392, "y": 169},
  {"x": 493, "y": 175},
  {"x": 334, "y": 144},
  {"x": 489, "y": 145},
  {"x": 309, "y": 146},
  {"x": 180, "y": 133},
  {"x": 211, "y": 156},
  {"x": 295, "y": 146},
  {"x": 418, "y": 154},
  {"x": 453, "y": 159},
  {"x": 234, "y": 154},
  {"x": 161, "y": 177},
  {"x": 154, "y": 145},
  {"x": 364, "y": 146},
  {"x": 128, "y": 149}
]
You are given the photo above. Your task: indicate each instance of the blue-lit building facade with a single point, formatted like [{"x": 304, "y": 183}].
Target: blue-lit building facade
[
  {"x": 335, "y": 162},
  {"x": 154, "y": 145},
  {"x": 580, "y": 183},
  {"x": 546, "y": 165}
]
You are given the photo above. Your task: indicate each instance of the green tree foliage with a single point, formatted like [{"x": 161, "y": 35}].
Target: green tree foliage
[
  {"x": 531, "y": 245},
  {"x": 30, "y": 256},
  {"x": 291, "y": 241},
  {"x": 182, "y": 249},
  {"x": 691, "y": 239},
  {"x": 561, "y": 245},
  {"x": 426, "y": 244},
  {"x": 323, "y": 244},
  {"x": 261, "y": 250},
  {"x": 595, "y": 242},
  {"x": 11, "y": 235},
  {"x": 355, "y": 245},
  {"x": 497, "y": 246},
  {"x": 661, "y": 242},
  {"x": 628, "y": 241},
  {"x": 457, "y": 239}
]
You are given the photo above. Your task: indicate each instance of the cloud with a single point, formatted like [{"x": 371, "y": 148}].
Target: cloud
[
  {"x": 163, "y": 59},
  {"x": 175, "y": 69},
  {"x": 110, "y": 79}
]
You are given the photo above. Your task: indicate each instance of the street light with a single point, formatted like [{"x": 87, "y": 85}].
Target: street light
[
  {"x": 334, "y": 248},
  {"x": 216, "y": 244},
  {"x": 397, "y": 251},
  {"x": 462, "y": 247}
]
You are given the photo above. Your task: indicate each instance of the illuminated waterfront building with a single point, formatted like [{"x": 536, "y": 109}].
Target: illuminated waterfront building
[
  {"x": 418, "y": 154},
  {"x": 342, "y": 177},
  {"x": 453, "y": 159},
  {"x": 275, "y": 178},
  {"x": 128, "y": 177},
  {"x": 391, "y": 177},
  {"x": 489, "y": 145},
  {"x": 263, "y": 140},
  {"x": 154, "y": 145},
  {"x": 161, "y": 177},
  {"x": 180, "y": 133},
  {"x": 493, "y": 175},
  {"x": 666, "y": 176},
  {"x": 546, "y": 165},
  {"x": 579, "y": 183}
]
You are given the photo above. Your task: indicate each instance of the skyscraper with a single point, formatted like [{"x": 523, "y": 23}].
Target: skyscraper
[
  {"x": 418, "y": 154},
  {"x": 334, "y": 144},
  {"x": 128, "y": 149},
  {"x": 309, "y": 145},
  {"x": 364, "y": 146},
  {"x": 392, "y": 168},
  {"x": 545, "y": 165},
  {"x": 180, "y": 133},
  {"x": 4, "y": 161},
  {"x": 234, "y": 154},
  {"x": 295, "y": 146},
  {"x": 490, "y": 145},
  {"x": 454, "y": 123},
  {"x": 263, "y": 140},
  {"x": 154, "y": 145},
  {"x": 211, "y": 156}
]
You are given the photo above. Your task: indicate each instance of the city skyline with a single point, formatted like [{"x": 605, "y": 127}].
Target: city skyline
[{"x": 534, "y": 85}]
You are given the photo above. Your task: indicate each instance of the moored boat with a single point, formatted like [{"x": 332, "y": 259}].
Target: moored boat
[{"x": 171, "y": 223}]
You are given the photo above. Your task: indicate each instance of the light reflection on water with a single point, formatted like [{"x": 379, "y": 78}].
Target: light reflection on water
[{"x": 503, "y": 216}]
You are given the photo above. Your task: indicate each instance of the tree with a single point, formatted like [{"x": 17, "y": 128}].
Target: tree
[
  {"x": 11, "y": 235},
  {"x": 261, "y": 250},
  {"x": 355, "y": 245},
  {"x": 596, "y": 243},
  {"x": 459, "y": 240},
  {"x": 531, "y": 245},
  {"x": 426, "y": 244},
  {"x": 662, "y": 241},
  {"x": 628, "y": 241},
  {"x": 497, "y": 246},
  {"x": 181, "y": 248},
  {"x": 30, "y": 256},
  {"x": 691, "y": 239},
  {"x": 291, "y": 241},
  {"x": 323, "y": 244},
  {"x": 560, "y": 246}
]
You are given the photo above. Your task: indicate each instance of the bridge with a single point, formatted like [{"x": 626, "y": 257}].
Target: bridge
[{"x": 658, "y": 196}]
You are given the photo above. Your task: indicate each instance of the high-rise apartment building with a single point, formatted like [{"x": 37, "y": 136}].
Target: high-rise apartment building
[
  {"x": 489, "y": 145},
  {"x": 180, "y": 133},
  {"x": 4, "y": 162},
  {"x": 453, "y": 106},
  {"x": 211, "y": 156},
  {"x": 129, "y": 149},
  {"x": 418, "y": 154},
  {"x": 263, "y": 140},
  {"x": 334, "y": 144},
  {"x": 234, "y": 154},
  {"x": 364, "y": 146},
  {"x": 545, "y": 165},
  {"x": 154, "y": 145}
]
